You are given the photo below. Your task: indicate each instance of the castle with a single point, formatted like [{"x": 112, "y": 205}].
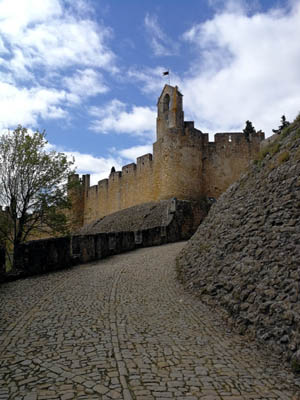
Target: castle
[{"x": 184, "y": 164}]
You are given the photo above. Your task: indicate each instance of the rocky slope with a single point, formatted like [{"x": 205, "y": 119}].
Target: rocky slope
[{"x": 245, "y": 256}]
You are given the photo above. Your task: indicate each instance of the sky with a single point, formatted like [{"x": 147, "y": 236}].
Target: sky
[{"x": 89, "y": 72}]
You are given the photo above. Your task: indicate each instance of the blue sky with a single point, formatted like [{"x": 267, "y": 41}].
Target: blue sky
[{"x": 89, "y": 72}]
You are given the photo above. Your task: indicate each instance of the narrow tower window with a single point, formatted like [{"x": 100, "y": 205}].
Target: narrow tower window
[{"x": 166, "y": 103}]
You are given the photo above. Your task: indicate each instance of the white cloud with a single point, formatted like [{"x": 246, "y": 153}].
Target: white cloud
[
  {"x": 98, "y": 167},
  {"x": 17, "y": 15},
  {"x": 247, "y": 67},
  {"x": 24, "y": 106},
  {"x": 3, "y": 49},
  {"x": 17, "y": 66},
  {"x": 161, "y": 44},
  {"x": 235, "y": 6},
  {"x": 40, "y": 39},
  {"x": 81, "y": 7},
  {"x": 114, "y": 117},
  {"x": 65, "y": 42},
  {"x": 87, "y": 82},
  {"x": 133, "y": 153},
  {"x": 152, "y": 79}
]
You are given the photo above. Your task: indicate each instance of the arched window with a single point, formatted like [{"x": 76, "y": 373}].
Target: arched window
[{"x": 166, "y": 103}]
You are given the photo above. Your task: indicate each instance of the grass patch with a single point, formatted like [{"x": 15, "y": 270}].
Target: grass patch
[
  {"x": 271, "y": 166},
  {"x": 286, "y": 131},
  {"x": 283, "y": 157},
  {"x": 297, "y": 133},
  {"x": 257, "y": 162},
  {"x": 263, "y": 153},
  {"x": 271, "y": 149},
  {"x": 274, "y": 148}
]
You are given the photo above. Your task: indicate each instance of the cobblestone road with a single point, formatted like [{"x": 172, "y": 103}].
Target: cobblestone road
[{"x": 123, "y": 328}]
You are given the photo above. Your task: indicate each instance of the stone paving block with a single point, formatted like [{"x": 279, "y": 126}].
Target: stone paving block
[
  {"x": 68, "y": 396},
  {"x": 124, "y": 328},
  {"x": 100, "y": 389},
  {"x": 30, "y": 396}
]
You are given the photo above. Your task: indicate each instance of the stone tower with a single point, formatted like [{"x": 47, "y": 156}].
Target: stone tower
[
  {"x": 169, "y": 111},
  {"x": 177, "y": 151}
]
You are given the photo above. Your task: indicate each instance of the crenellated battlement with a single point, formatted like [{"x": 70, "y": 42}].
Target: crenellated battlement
[
  {"x": 144, "y": 161},
  {"x": 184, "y": 164},
  {"x": 115, "y": 176},
  {"x": 238, "y": 138},
  {"x": 103, "y": 184},
  {"x": 129, "y": 169}
]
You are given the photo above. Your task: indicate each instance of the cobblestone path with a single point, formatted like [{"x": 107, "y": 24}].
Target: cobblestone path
[{"x": 123, "y": 328}]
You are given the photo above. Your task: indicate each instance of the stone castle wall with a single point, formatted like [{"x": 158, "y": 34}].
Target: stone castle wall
[
  {"x": 184, "y": 165},
  {"x": 226, "y": 159}
]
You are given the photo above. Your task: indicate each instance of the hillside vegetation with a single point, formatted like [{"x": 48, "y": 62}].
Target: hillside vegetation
[{"x": 245, "y": 256}]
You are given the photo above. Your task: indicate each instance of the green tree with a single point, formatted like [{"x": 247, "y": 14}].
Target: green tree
[
  {"x": 33, "y": 188},
  {"x": 284, "y": 124},
  {"x": 249, "y": 129}
]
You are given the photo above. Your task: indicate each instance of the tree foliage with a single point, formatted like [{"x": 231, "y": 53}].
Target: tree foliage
[
  {"x": 284, "y": 124},
  {"x": 33, "y": 187},
  {"x": 249, "y": 128}
]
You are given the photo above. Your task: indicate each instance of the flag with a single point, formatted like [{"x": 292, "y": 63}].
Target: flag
[{"x": 166, "y": 73}]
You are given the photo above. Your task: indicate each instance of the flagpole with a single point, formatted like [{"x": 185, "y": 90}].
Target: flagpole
[{"x": 167, "y": 73}]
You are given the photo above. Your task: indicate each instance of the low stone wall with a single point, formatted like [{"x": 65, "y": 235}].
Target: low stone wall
[
  {"x": 42, "y": 256},
  {"x": 151, "y": 224},
  {"x": 86, "y": 248},
  {"x": 45, "y": 255}
]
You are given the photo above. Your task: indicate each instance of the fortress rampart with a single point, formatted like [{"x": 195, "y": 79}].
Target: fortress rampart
[{"x": 184, "y": 165}]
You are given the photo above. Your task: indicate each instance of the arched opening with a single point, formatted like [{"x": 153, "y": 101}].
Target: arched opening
[{"x": 166, "y": 103}]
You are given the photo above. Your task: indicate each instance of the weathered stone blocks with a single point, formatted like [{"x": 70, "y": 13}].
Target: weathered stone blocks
[{"x": 245, "y": 255}]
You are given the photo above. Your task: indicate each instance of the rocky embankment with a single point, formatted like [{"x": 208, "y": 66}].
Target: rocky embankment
[{"x": 245, "y": 256}]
